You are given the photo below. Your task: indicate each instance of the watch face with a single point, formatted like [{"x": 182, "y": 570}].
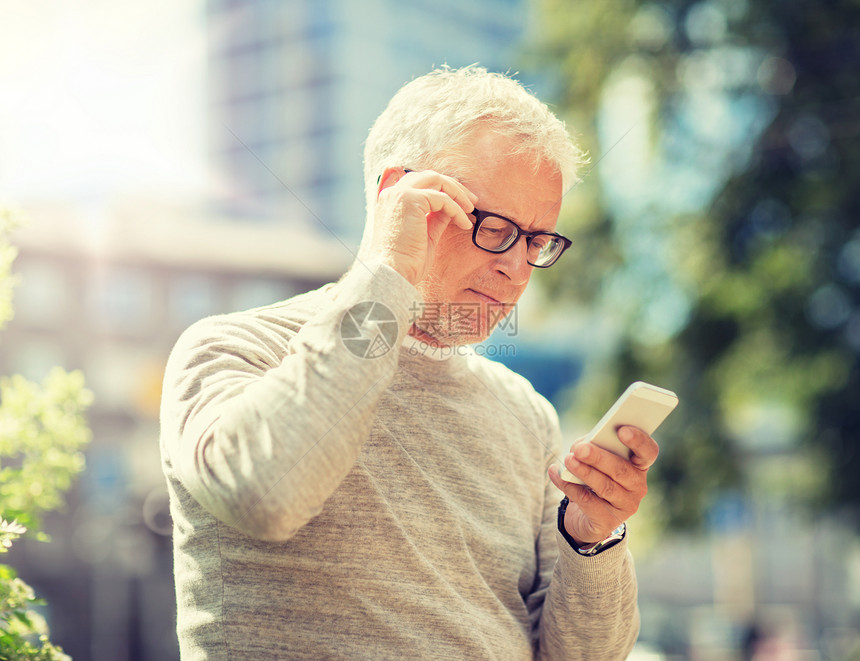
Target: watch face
[{"x": 615, "y": 536}]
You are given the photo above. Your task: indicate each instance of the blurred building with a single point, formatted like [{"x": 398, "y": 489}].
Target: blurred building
[
  {"x": 108, "y": 290},
  {"x": 295, "y": 86}
]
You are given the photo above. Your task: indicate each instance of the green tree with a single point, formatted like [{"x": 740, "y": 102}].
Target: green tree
[
  {"x": 42, "y": 433},
  {"x": 720, "y": 237}
]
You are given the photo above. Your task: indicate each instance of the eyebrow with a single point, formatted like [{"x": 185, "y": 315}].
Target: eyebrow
[
  {"x": 517, "y": 223},
  {"x": 521, "y": 229}
]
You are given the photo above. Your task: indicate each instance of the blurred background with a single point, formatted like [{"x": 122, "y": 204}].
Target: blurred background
[{"x": 175, "y": 160}]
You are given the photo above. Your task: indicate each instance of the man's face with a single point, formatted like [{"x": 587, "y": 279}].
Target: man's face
[{"x": 468, "y": 290}]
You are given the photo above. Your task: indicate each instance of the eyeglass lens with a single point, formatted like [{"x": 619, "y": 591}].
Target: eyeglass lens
[{"x": 498, "y": 234}]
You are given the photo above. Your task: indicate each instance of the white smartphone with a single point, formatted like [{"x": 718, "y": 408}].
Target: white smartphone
[{"x": 641, "y": 405}]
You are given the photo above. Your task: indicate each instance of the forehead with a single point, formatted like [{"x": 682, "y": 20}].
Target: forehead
[{"x": 519, "y": 186}]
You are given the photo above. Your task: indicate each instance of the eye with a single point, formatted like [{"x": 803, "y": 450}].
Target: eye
[
  {"x": 543, "y": 241},
  {"x": 494, "y": 224}
]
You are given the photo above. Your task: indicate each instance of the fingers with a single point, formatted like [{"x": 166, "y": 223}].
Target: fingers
[
  {"x": 443, "y": 195},
  {"x": 445, "y": 209},
  {"x": 573, "y": 491},
  {"x": 451, "y": 189},
  {"x": 619, "y": 481},
  {"x": 644, "y": 451},
  {"x": 412, "y": 211},
  {"x": 593, "y": 465},
  {"x": 613, "y": 486},
  {"x": 644, "y": 448},
  {"x": 589, "y": 517}
]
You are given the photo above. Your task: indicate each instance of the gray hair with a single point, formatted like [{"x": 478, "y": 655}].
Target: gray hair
[{"x": 429, "y": 117}]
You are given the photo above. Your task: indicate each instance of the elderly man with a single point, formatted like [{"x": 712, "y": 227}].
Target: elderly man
[{"x": 348, "y": 480}]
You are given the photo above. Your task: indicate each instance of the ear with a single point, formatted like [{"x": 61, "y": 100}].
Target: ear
[{"x": 389, "y": 177}]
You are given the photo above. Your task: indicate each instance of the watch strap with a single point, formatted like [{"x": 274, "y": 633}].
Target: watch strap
[{"x": 614, "y": 537}]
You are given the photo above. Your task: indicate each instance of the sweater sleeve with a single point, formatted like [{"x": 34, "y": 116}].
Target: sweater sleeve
[
  {"x": 261, "y": 431},
  {"x": 587, "y": 605}
]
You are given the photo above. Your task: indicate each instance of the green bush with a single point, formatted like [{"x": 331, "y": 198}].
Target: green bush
[{"x": 42, "y": 434}]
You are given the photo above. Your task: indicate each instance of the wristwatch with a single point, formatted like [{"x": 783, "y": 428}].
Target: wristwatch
[{"x": 614, "y": 537}]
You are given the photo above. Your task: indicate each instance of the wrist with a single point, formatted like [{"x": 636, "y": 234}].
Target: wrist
[
  {"x": 589, "y": 548},
  {"x": 607, "y": 543}
]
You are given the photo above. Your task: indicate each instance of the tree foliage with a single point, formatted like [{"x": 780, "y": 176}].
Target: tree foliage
[
  {"x": 42, "y": 434},
  {"x": 8, "y": 220},
  {"x": 729, "y": 256}
]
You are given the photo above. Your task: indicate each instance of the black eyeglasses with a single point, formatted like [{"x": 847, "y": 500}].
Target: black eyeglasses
[{"x": 497, "y": 234}]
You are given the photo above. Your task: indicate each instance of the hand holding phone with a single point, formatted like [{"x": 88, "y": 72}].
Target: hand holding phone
[{"x": 642, "y": 405}]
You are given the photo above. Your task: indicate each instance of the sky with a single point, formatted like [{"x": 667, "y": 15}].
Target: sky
[{"x": 100, "y": 98}]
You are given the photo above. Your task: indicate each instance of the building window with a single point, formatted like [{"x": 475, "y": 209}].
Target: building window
[
  {"x": 191, "y": 298},
  {"x": 122, "y": 299},
  {"x": 42, "y": 295},
  {"x": 257, "y": 292}
]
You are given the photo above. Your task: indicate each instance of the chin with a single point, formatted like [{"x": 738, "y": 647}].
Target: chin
[
  {"x": 450, "y": 334},
  {"x": 459, "y": 319},
  {"x": 457, "y": 335},
  {"x": 464, "y": 340}
]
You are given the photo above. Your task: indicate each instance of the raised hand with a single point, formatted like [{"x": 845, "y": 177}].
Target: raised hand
[
  {"x": 411, "y": 213},
  {"x": 614, "y": 487}
]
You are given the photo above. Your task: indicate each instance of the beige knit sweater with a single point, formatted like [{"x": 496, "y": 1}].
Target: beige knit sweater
[{"x": 329, "y": 506}]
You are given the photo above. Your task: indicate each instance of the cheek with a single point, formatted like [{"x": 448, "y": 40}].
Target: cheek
[
  {"x": 455, "y": 238},
  {"x": 455, "y": 251}
]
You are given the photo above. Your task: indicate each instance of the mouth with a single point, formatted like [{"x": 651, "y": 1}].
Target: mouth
[{"x": 486, "y": 298}]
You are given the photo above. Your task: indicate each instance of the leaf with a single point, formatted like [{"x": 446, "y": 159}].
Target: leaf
[{"x": 42, "y": 434}]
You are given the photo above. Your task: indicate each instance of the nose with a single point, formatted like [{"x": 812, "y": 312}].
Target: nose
[{"x": 513, "y": 263}]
